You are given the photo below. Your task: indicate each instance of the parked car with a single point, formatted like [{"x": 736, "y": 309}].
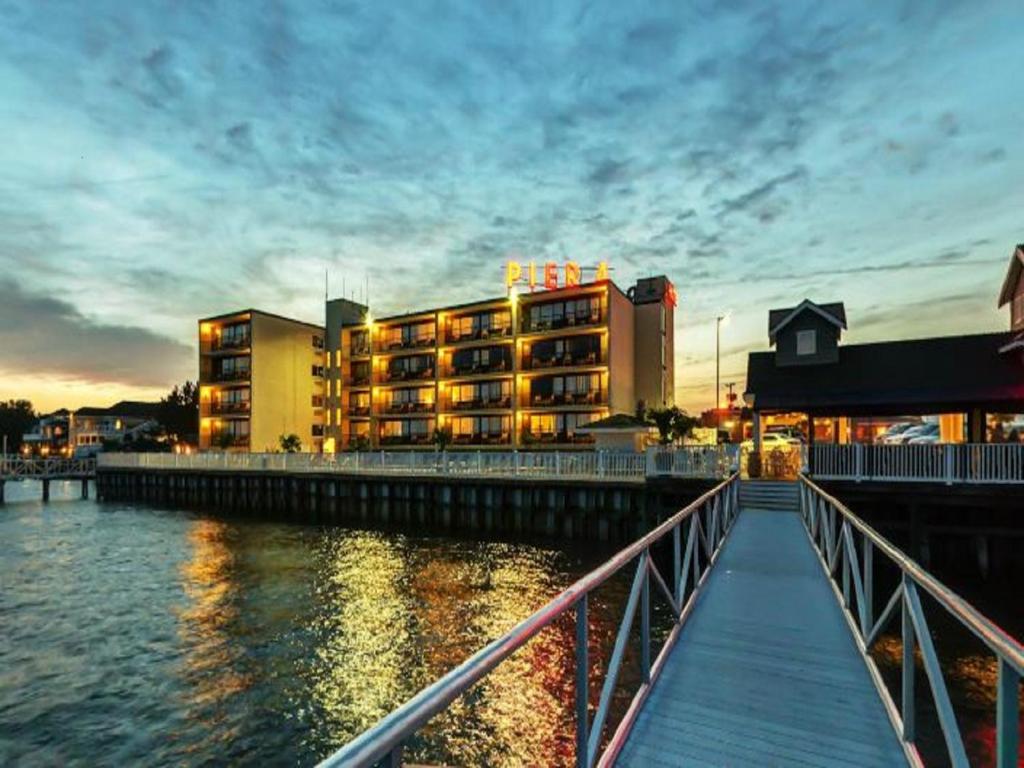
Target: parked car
[
  {"x": 926, "y": 434},
  {"x": 771, "y": 440},
  {"x": 793, "y": 433},
  {"x": 895, "y": 432}
]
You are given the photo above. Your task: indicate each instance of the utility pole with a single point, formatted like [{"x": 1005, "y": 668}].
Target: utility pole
[{"x": 718, "y": 366}]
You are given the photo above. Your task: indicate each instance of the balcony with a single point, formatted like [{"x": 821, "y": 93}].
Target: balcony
[
  {"x": 486, "y": 438},
  {"x": 419, "y": 342},
  {"x": 482, "y": 403},
  {"x": 357, "y": 380},
  {"x": 480, "y": 334},
  {"x": 222, "y": 344},
  {"x": 536, "y": 362},
  {"x": 359, "y": 349},
  {"x": 407, "y": 408},
  {"x": 229, "y": 376},
  {"x": 228, "y": 440},
  {"x": 228, "y": 407},
  {"x": 389, "y": 376},
  {"x": 587, "y": 320},
  {"x": 479, "y": 369},
  {"x": 358, "y": 411},
  {"x": 424, "y": 439},
  {"x": 565, "y": 399},
  {"x": 555, "y": 438}
]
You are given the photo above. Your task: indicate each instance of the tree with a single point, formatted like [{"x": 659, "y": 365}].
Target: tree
[
  {"x": 179, "y": 413},
  {"x": 16, "y": 418},
  {"x": 683, "y": 424},
  {"x": 663, "y": 419},
  {"x": 442, "y": 438},
  {"x": 290, "y": 443}
]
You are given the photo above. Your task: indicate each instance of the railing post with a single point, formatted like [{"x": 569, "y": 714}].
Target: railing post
[
  {"x": 582, "y": 684},
  {"x": 600, "y": 463},
  {"x": 677, "y": 566},
  {"x": 869, "y": 586},
  {"x": 948, "y": 455},
  {"x": 645, "y": 621},
  {"x": 908, "y": 667},
  {"x": 1007, "y": 717},
  {"x": 558, "y": 464},
  {"x": 859, "y": 461}
]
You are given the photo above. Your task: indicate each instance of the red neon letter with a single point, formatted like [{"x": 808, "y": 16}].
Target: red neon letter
[{"x": 550, "y": 275}]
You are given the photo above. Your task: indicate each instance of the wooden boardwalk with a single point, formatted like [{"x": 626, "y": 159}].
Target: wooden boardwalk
[{"x": 765, "y": 671}]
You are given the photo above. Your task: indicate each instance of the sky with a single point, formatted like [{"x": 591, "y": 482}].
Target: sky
[{"x": 164, "y": 161}]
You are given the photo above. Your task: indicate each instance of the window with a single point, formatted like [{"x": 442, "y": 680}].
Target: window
[
  {"x": 318, "y": 342},
  {"x": 318, "y": 370},
  {"x": 806, "y": 342},
  {"x": 318, "y": 401}
]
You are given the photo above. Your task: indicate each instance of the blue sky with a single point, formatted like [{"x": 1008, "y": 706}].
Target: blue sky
[{"x": 165, "y": 161}]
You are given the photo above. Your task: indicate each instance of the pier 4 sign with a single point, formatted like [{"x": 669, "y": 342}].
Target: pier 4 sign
[{"x": 547, "y": 275}]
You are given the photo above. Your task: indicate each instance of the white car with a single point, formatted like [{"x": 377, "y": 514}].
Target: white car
[
  {"x": 771, "y": 440},
  {"x": 925, "y": 434}
]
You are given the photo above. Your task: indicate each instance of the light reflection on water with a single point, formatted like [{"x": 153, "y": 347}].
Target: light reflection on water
[{"x": 134, "y": 635}]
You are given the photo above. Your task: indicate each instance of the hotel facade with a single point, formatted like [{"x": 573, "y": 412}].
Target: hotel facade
[
  {"x": 261, "y": 377},
  {"x": 524, "y": 371}
]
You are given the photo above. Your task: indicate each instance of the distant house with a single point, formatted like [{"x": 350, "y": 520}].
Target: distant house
[
  {"x": 49, "y": 436},
  {"x": 810, "y": 372},
  {"x": 127, "y": 418}
]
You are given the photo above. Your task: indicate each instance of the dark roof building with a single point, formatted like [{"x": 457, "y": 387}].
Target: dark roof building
[{"x": 810, "y": 372}]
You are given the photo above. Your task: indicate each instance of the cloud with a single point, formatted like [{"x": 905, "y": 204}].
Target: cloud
[{"x": 49, "y": 336}]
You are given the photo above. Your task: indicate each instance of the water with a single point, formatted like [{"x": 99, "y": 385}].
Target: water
[
  {"x": 132, "y": 635},
  {"x": 136, "y": 635}
]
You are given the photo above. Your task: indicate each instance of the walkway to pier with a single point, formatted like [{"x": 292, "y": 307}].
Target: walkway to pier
[
  {"x": 766, "y": 671},
  {"x": 13, "y": 467}
]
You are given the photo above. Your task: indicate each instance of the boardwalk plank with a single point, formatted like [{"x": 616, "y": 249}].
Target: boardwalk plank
[{"x": 765, "y": 671}]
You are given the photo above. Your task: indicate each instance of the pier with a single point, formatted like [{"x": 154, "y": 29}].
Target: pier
[
  {"x": 45, "y": 470},
  {"x": 768, "y": 660}
]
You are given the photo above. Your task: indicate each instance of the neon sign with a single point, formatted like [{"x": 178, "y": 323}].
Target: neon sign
[{"x": 547, "y": 275}]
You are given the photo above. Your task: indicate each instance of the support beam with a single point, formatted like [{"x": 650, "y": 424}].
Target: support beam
[
  {"x": 85, "y": 488},
  {"x": 46, "y": 489}
]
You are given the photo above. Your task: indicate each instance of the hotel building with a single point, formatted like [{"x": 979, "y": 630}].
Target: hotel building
[
  {"x": 261, "y": 376},
  {"x": 524, "y": 371}
]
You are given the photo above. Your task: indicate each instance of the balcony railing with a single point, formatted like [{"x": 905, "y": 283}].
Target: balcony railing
[
  {"x": 559, "y": 323},
  {"x": 535, "y": 362},
  {"x": 218, "y": 345},
  {"x": 388, "y": 376},
  {"x": 556, "y": 438},
  {"x": 408, "y": 407},
  {"x": 237, "y": 375},
  {"x": 424, "y": 439},
  {"x": 565, "y": 399},
  {"x": 358, "y": 410},
  {"x": 454, "y": 337},
  {"x": 361, "y": 380},
  {"x": 478, "y": 369},
  {"x": 489, "y": 438},
  {"x": 227, "y": 440},
  {"x": 417, "y": 343},
  {"x": 361, "y": 349},
  {"x": 229, "y": 407},
  {"x": 480, "y": 403}
]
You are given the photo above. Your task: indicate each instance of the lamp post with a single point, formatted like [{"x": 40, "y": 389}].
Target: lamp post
[{"x": 718, "y": 364}]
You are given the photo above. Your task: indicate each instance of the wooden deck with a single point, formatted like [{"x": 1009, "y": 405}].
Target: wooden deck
[{"x": 766, "y": 671}]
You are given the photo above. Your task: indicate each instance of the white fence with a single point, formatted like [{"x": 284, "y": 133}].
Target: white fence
[
  {"x": 713, "y": 462},
  {"x": 963, "y": 463}
]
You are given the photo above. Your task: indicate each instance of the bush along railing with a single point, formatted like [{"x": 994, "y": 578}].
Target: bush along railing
[
  {"x": 695, "y": 534},
  {"x": 846, "y": 546}
]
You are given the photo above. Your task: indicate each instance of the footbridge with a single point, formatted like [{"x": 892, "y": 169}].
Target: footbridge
[
  {"x": 777, "y": 594},
  {"x": 13, "y": 467}
]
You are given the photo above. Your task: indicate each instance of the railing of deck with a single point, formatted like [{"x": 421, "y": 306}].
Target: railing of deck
[
  {"x": 953, "y": 463},
  {"x": 13, "y": 466},
  {"x": 710, "y": 462},
  {"x": 695, "y": 535},
  {"x": 846, "y": 546}
]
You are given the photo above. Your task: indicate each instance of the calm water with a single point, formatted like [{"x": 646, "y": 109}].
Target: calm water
[
  {"x": 132, "y": 635},
  {"x": 135, "y": 635}
]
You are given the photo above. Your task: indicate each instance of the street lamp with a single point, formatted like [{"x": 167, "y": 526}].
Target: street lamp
[{"x": 718, "y": 364}]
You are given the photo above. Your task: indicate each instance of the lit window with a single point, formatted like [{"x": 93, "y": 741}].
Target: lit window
[{"x": 806, "y": 342}]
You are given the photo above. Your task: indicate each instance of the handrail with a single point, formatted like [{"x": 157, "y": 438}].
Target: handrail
[
  {"x": 839, "y": 555},
  {"x": 719, "y": 505},
  {"x": 14, "y": 466}
]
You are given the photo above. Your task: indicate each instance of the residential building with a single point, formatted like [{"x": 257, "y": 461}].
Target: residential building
[
  {"x": 92, "y": 426},
  {"x": 527, "y": 370},
  {"x": 50, "y": 436},
  {"x": 261, "y": 377}
]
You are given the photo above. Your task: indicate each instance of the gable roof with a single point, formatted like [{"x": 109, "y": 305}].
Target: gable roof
[
  {"x": 833, "y": 312},
  {"x": 1012, "y": 276},
  {"x": 935, "y": 375}
]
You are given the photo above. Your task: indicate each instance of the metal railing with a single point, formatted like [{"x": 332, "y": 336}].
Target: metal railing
[
  {"x": 712, "y": 461},
  {"x": 846, "y": 546},
  {"x": 949, "y": 463},
  {"x": 577, "y": 465},
  {"x": 704, "y": 525},
  {"x": 13, "y": 466}
]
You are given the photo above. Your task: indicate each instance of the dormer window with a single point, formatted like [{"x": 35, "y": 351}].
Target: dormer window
[{"x": 806, "y": 342}]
